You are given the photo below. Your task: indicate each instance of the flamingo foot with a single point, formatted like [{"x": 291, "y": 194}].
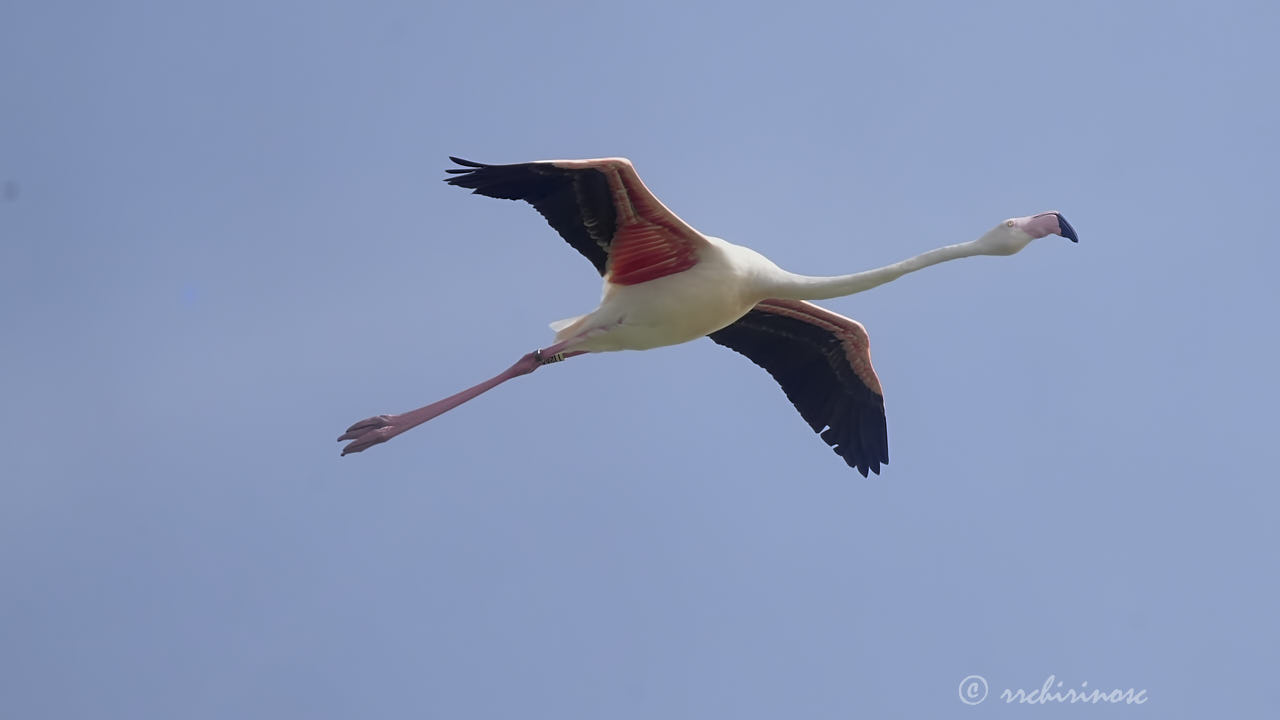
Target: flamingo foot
[{"x": 369, "y": 432}]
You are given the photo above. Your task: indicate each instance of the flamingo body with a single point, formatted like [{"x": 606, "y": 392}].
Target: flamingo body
[{"x": 673, "y": 308}]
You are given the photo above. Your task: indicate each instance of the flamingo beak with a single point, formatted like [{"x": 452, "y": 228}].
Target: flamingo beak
[{"x": 1065, "y": 229}]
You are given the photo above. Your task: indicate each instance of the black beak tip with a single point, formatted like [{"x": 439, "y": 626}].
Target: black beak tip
[{"x": 1068, "y": 232}]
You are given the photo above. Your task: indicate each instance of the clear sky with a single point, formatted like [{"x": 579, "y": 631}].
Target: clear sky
[{"x": 223, "y": 238}]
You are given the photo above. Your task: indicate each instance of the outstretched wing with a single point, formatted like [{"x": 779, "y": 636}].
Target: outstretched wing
[
  {"x": 600, "y": 207},
  {"x": 823, "y": 363}
]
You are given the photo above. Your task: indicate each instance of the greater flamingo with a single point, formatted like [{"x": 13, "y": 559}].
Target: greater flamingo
[{"x": 666, "y": 283}]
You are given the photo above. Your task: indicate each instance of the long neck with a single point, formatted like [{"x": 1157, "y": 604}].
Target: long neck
[{"x": 806, "y": 287}]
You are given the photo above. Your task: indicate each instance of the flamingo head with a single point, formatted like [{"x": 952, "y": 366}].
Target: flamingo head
[{"x": 1014, "y": 234}]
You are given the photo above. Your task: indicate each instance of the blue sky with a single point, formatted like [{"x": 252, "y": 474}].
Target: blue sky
[{"x": 224, "y": 239}]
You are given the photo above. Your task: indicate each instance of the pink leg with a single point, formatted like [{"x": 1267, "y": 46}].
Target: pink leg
[{"x": 381, "y": 428}]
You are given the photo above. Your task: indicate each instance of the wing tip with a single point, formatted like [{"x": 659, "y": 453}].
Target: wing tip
[{"x": 459, "y": 175}]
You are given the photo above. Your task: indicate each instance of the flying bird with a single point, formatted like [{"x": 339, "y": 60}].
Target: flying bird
[{"x": 665, "y": 283}]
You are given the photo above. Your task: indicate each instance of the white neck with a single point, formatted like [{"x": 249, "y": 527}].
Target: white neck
[{"x": 805, "y": 287}]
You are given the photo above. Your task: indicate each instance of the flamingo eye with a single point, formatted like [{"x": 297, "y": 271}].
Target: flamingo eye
[{"x": 1008, "y": 223}]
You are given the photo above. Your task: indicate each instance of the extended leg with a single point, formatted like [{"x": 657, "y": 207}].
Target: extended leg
[{"x": 381, "y": 428}]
